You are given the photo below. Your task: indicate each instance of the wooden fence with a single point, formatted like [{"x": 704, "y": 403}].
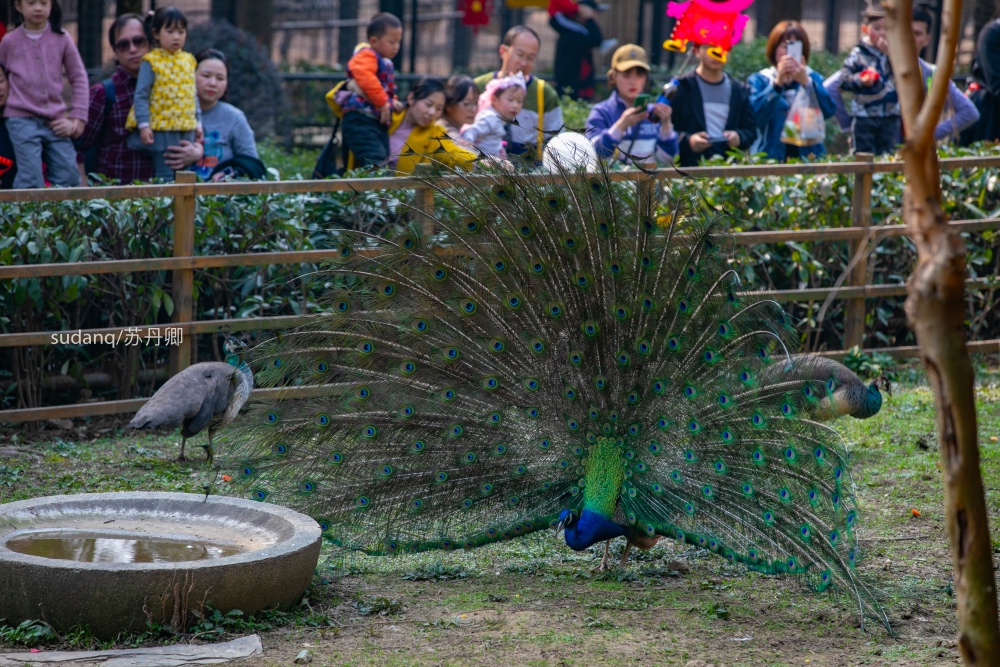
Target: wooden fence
[{"x": 862, "y": 236}]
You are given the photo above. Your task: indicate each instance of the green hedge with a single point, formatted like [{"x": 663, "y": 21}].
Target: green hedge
[{"x": 100, "y": 229}]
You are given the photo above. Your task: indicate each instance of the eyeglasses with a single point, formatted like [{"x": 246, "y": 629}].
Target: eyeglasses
[
  {"x": 138, "y": 42},
  {"x": 469, "y": 105}
]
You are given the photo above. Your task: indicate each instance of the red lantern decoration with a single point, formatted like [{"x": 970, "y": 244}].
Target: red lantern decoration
[{"x": 476, "y": 13}]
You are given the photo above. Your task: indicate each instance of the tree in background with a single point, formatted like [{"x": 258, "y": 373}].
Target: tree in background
[
  {"x": 254, "y": 83},
  {"x": 934, "y": 308}
]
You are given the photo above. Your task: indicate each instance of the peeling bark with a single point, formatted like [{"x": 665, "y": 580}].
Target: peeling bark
[{"x": 935, "y": 295}]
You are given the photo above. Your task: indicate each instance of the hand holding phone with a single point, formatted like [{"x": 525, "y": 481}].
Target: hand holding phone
[{"x": 641, "y": 100}]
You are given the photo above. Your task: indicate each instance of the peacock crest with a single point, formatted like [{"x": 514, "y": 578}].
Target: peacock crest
[{"x": 553, "y": 353}]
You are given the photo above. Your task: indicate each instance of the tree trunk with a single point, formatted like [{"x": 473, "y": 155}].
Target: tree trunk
[
  {"x": 982, "y": 12},
  {"x": 934, "y": 307},
  {"x": 128, "y": 7},
  {"x": 782, "y": 10}
]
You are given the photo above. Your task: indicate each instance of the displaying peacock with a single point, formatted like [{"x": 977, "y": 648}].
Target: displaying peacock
[{"x": 557, "y": 356}]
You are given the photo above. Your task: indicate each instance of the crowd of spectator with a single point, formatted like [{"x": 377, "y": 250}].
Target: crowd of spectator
[{"x": 162, "y": 109}]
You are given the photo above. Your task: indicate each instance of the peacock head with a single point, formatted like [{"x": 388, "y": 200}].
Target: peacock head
[
  {"x": 586, "y": 528},
  {"x": 881, "y": 382}
]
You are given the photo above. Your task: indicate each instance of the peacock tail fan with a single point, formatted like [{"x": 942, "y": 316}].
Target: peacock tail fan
[{"x": 454, "y": 389}]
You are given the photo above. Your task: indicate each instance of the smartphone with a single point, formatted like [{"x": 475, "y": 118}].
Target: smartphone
[
  {"x": 794, "y": 49},
  {"x": 641, "y": 100},
  {"x": 225, "y": 174}
]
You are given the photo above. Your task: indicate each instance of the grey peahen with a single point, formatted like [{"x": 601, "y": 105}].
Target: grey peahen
[
  {"x": 845, "y": 393},
  {"x": 209, "y": 393},
  {"x": 555, "y": 357}
]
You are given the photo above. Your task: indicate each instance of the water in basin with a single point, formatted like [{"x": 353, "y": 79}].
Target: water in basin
[{"x": 97, "y": 548}]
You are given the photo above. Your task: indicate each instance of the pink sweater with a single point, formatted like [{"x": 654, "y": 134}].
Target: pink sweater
[{"x": 35, "y": 72}]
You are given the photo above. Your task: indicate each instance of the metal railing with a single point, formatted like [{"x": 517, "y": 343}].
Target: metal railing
[{"x": 183, "y": 263}]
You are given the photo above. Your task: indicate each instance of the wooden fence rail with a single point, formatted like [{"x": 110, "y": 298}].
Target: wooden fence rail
[{"x": 862, "y": 237}]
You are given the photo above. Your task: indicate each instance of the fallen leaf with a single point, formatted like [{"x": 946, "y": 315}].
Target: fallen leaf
[{"x": 914, "y": 511}]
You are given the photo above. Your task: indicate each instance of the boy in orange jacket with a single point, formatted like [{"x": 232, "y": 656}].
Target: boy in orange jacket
[{"x": 367, "y": 114}]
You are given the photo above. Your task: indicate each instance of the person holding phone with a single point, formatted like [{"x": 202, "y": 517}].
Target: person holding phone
[
  {"x": 628, "y": 127},
  {"x": 772, "y": 90},
  {"x": 711, "y": 111}
]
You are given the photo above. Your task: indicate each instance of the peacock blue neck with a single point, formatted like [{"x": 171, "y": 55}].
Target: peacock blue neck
[
  {"x": 870, "y": 403},
  {"x": 591, "y": 528}
]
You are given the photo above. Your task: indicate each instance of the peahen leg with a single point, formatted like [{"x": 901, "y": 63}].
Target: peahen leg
[
  {"x": 183, "y": 442},
  {"x": 628, "y": 547},
  {"x": 604, "y": 561}
]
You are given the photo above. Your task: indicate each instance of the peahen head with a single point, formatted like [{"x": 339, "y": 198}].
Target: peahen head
[
  {"x": 587, "y": 528},
  {"x": 236, "y": 350}
]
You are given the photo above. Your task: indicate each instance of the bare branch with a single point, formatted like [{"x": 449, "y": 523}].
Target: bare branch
[{"x": 906, "y": 69}]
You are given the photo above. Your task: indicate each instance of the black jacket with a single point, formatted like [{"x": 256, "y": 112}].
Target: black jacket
[
  {"x": 986, "y": 72},
  {"x": 689, "y": 117},
  {"x": 574, "y": 66}
]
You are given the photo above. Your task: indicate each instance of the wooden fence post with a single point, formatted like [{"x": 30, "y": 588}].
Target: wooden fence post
[
  {"x": 183, "y": 279},
  {"x": 861, "y": 216},
  {"x": 646, "y": 190},
  {"x": 424, "y": 202}
]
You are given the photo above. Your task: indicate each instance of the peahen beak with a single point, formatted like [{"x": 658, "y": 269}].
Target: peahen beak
[{"x": 559, "y": 528}]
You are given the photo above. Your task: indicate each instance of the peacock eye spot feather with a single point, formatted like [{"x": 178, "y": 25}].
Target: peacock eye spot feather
[
  {"x": 385, "y": 471},
  {"x": 537, "y": 346},
  {"x": 368, "y": 431},
  {"x": 467, "y": 503},
  {"x": 582, "y": 280},
  {"x": 575, "y": 358},
  {"x": 569, "y": 242},
  {"x": 654, "y": 447},
  {"x": 455, "y": 431},
  {"x": 544, "y": 443},
  {"x": 569, "y": 393},
  {"x": 633, "y": 430},
  {"x": 616, "y": 268},
  {"x": 682, "y": 305},
  {"x": 448, "y": 395},
  {"x": 388, "y": 289},
  {"x": 644, "y": 347},
  {"x": 500, "y": 450},
  {"x": 441, "y": 477},
  {"x": 555, "y": 310},
  {"x": 537, "y": 267},
  {"x": 277, "y": 363},
  {"x": 362, "y": 393},
  {"x": 525, "y": 230},
  {"x": 342, "y": 306},
  {"x": 613, "y": 416},
  {"x": 418, "y": 446},
  {"x": 420, "y": 326},
  {"x": 336, "y": 458},
  {"x": 532, "y": 413},
  {"x": 572, "y": 424},
  {"x": 450, "y": 353},
  {"x": 259, "y": 495},
  {"x": 673, "y": 344},
  {"x": 362, "y": 501},
  {"x": 469, "y": 306},
  {"x": 623, "y": 358},
  {"x": 271, "y": 417},
  {"x": 593, "y": 413},
  {"x": 323, "y": 420},
  {"x": 494, "y": 418},
  {"x": 247, "y": 471},
  {"x": 499, "y": 265},
  {"x": 632, "y": 397},
  {"x": 408, "y": 367},
  {"x": 472, "y": 226},
  {"x": 490, "y": 383},
  {"x": 600, "y": 382},
  {"x": 497, "y": 345},
  {"x": 513, "y": 301},
  {"x": 647, "y": 303},
  {"x": 279, "y": 449}
]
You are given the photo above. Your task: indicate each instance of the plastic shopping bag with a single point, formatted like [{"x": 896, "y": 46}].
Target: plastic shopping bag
[{"x": 804, "y": 125}]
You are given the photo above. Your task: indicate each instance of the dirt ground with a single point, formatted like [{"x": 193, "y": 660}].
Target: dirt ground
[{"x": 535, "y": 602}]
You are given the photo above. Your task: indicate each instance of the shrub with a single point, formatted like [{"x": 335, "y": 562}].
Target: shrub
[{"x": 254, "y": 83}]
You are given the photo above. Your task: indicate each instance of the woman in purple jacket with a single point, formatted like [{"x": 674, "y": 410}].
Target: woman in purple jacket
[{"x": 621, "y": 131}]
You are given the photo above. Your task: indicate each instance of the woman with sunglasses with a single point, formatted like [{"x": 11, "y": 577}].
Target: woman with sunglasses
[{"x": 105, "y": 131}]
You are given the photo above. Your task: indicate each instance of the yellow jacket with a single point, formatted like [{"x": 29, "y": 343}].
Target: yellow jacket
[
  {"x": 426, "y": 145},
  {"x": 172, "y": 99}
]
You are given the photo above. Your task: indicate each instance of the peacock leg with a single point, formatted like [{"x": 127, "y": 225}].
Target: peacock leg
[
  {"x": 628, "y": 547},
  {"x": 183, "y": 442},
  {"x": 604, "y": 561}
]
